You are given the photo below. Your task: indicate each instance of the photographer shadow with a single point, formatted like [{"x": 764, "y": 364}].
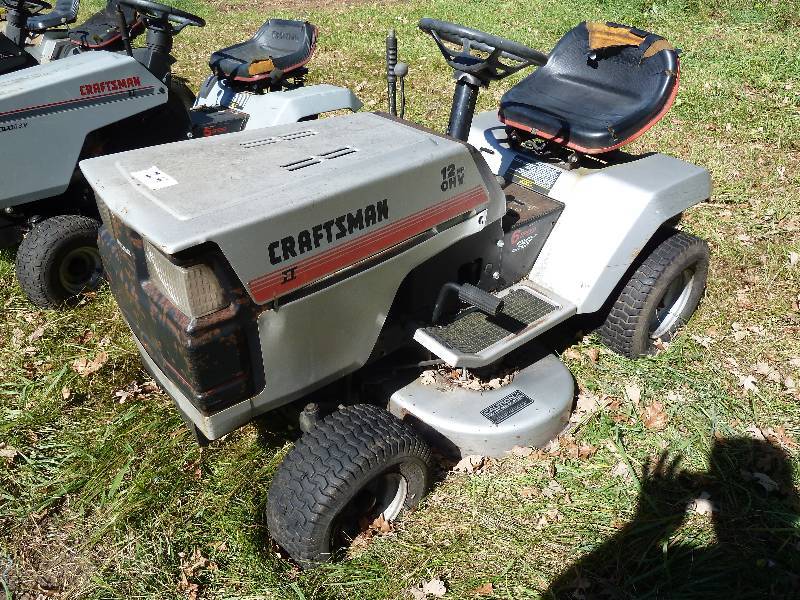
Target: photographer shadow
[{"x": 749, "y": 494}]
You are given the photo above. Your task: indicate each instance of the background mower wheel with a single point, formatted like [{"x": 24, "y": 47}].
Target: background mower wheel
[
  {"x": 356, "y": 464},
  {"x": 659, "y": 297},
  {"x": 58, "y": 260}
]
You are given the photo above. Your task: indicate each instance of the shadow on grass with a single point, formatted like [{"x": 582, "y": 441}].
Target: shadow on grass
[{"x": 755, "y": 555}]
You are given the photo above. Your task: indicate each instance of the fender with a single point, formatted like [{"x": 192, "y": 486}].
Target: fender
[
  {"x": 277, "y": 108},
  {"x": 610, "y": 213}
]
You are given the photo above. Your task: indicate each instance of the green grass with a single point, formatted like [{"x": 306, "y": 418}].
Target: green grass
[{"x": 109, "y": 499}]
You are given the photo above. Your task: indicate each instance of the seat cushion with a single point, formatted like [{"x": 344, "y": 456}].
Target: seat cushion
[
  {"x": 101, "y": 29},
  {"x": 597, "y": 92},
  {"x": 280, "y": 45}
]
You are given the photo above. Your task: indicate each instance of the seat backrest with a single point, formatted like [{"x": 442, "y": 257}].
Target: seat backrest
[
  {"x": 63, "y": 13},
  {"x": 289, "y": 43}
]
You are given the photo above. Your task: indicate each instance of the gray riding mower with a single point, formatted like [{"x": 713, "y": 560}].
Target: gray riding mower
[
  {"x": 92, "y": 103},
  {"x": 30, "y": 37},
  {"x": 405, "y": 275}
]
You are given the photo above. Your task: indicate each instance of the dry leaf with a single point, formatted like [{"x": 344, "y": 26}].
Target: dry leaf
[
  {"x": 8, "y": 453},
  {"x": 655, "y": 417},
  {"x": 748, "y": 382},
  {"x": 633, "y": 393},
  {"x": 621, "y": 470},
  {"x": 470, "y": 464},
  {"x": 529, "y": 492},
  {"x": 793, "y": 258},
  {"x": 593, "y": 354},
  {"x": 37, "y": 333},
  {"x": 487, "y": 589},
  {"x": 586, "y": 405},
  {"x": 381, "y": 525},
  {"x": 66, "y": 393},
  {"x": 702, "y": 505},
  {"x": 85, "y": 367},
  {"x": 435, "y": 587},
  {"x": 522, "y": 451},
  {"x": 553, "y": 489}
]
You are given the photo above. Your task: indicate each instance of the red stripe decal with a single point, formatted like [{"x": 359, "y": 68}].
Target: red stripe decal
[
  {"x": 71, "y": 101},
  {"x": 274, "y": 284}
]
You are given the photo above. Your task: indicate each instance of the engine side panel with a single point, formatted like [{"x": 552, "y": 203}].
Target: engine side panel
[{"x": 46, "y": 112}]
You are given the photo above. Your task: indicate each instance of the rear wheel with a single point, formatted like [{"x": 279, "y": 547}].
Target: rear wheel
[
  {"x": 355, "y": 465},
  {"x": 59, "y": 259},
  {"x": 659, "y": 297}
]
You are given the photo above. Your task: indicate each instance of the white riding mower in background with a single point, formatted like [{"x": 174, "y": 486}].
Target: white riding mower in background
[
  {"x": 92, "y": 103},
  {"x": 337, "y": 261}
]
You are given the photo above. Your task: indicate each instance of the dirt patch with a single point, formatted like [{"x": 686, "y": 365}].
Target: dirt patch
[{"x": 46, "y": 561}]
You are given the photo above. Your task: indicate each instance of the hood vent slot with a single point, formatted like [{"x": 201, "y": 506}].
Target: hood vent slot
[
  {"x": 296, "y": 135},
  {"x": 315, "y": 160}
]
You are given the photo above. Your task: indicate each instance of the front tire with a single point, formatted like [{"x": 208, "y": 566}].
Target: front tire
[
  {"x": 58, "y": 260},
  {"x": 356, "y": 464},
  {"x": 659, "y": 296}
]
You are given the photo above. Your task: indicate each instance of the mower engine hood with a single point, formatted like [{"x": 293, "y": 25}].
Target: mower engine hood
[{"x": 271, "y": 197}]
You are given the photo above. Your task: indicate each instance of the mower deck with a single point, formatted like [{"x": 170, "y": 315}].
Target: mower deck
[{"x": 529, "y": 411}]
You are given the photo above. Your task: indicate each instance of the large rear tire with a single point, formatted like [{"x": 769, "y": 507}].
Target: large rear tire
[
  {"x": 659, "y": 296},
  {"x": 356, "y": 464},
  {"x": 58, "y": 260}
]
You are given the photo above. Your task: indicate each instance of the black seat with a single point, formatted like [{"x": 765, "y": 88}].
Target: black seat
[
  {"x": 603, "y": 86},
  {"x": 279, "y": 47},
  {"x": 63, "y": 13},
  {"x": 101, "y": 30}
]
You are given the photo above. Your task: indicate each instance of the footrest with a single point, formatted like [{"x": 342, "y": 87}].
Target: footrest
[{"x": 475, "y": 339}]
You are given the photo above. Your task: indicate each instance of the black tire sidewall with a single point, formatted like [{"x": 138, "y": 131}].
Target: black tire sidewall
[
  {"x": 411, "y": 467},
  {"x": 695, "y": 255},
  {"x": 42, "y": 253}
]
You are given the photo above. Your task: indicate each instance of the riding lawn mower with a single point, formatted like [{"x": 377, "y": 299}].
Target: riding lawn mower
[
  {"x": 90, "y": 103},
  {"x": 378, "y": 272}
]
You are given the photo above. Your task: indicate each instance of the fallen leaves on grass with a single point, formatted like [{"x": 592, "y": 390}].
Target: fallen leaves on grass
[
  {"x": 655, "y": 417},
  {"x": 85, "y": 367},
  {"x": 135, "y": 390},
  {"x": 633, "y": 393},
  {"x": 587, "y": 404},
  {"x": 470, "y": 464},
  {"x": 8, "y": 453},
  {"x": 434, "y": 588},
  {"x": 191, "y": 566},
  {"x": 775, "y": 435},
  {"x": 487, "y": 589},
  {"x": 66, "y": 393},
  {"x": 380, "y": 526}
]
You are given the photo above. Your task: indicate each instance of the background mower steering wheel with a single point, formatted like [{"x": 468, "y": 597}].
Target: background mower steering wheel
[
  {"x": 30, "y": 6},
  {"x": 485, "y": 69},
  {"x": 161, "y": 12}
]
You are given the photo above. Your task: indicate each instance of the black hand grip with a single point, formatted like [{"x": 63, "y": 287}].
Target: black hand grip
[{"x": 483, "y": 301}]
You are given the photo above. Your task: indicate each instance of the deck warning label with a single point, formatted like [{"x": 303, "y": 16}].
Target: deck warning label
[{"x": 507, "y": 407}]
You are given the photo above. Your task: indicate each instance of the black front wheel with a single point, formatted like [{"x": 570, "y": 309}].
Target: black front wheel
[
  {"x": 58, "y": 260},
  {"x": 355, "y": 465},
  {"x": 659, "y": 296}
]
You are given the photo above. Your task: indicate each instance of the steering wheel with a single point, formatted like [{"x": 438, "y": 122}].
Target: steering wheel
[
  {"x": 162, "y": 12},
  {"x": 490, "y": 68},
  {"x": 28, "y": 6}
]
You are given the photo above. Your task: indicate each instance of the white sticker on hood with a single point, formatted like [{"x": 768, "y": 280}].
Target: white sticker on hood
[{"x": 154, "y": 178}]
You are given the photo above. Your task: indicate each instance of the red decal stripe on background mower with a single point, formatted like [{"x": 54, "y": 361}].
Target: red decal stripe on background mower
[{"x": 284, "y": 280}]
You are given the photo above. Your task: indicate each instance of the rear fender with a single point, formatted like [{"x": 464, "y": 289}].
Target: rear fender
[{"x": 278, "y": 108}]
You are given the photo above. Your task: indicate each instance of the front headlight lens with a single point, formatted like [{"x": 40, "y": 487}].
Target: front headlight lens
[{"x": 195, "y": 290}]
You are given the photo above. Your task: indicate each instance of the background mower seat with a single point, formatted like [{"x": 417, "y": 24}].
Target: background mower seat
[
  {"x": 603, "y": 86},
  {"x": 63, "y": 13},
  {"x": 101, "y": 29},
  {"x": 279, "y": 46}
]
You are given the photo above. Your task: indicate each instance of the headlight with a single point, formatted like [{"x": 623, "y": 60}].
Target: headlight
[{"x": 195, "y": 290}]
